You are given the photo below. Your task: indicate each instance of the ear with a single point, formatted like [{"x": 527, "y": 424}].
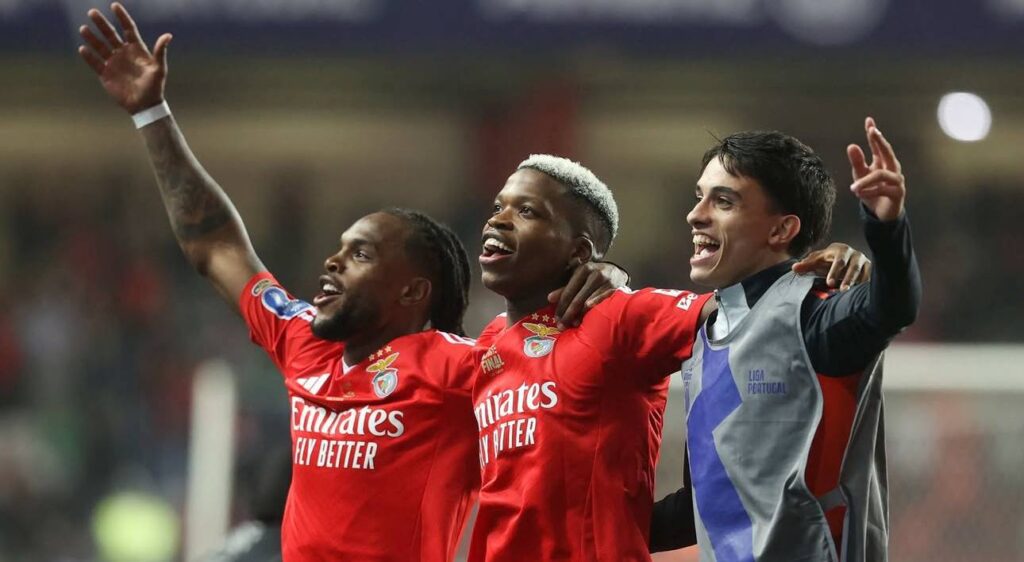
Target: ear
[
  {"x": 417, "y": 291},
  {"x": 784, "y": 231},
  {"x": 583, "y": 251}
]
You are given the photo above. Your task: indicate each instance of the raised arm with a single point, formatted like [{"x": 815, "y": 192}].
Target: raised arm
[
  {"x": 844, "y": 333},
  {"x": 205, "y": 222}
]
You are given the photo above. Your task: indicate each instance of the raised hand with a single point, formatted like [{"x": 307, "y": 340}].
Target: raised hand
[
  {"x": 132, "y": 75},
  {"x": 840, "y": 264},
  {"x": 879, "y": 185}
]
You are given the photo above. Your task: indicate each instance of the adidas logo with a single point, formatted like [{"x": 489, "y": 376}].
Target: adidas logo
[{"x": 313, "y": 384}]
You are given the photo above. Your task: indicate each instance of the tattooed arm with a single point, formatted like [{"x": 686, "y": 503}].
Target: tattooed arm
[{"x": 205, "y": 222}]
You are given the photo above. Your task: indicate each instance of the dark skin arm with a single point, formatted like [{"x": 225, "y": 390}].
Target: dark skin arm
[
  {"x": 206, "y": 224},
  {"x": 593, "y": 282}
]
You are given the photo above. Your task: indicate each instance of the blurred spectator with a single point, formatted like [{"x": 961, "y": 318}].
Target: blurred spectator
[{"x": 259, "y": 538}]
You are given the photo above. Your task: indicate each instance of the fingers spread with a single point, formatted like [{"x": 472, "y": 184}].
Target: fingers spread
[
  {"x": 599, "y": 297},
  {"x": 101, "y": 48},
  {"x": 571, "y": 289},
  {"x": 833, "y": 272},
  {"x": 877, "y": 178},
  {"x": 858, "y": 163},
  {"x": 160, "y": 49},
  {"x": 131, "y": 31},
  {"x": 553, "y": 296},
  {"x": 814, "y": 261},
  {"x": 852, "y": 274},
  {"x": 574, "y": 312},
  {"x": 882, "y": 153},
  {"x": 888, "y": 154},
  {"x": 806, "y": 264},
  {"x": 91, "y": 58},
  {"x": 105, "y": 28},
  {"x": 865, "y": 272}
]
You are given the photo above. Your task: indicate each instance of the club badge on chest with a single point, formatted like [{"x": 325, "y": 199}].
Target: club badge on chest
[
  {"x": 541, "y": 343},
  {"x": 385, "y": 379}
]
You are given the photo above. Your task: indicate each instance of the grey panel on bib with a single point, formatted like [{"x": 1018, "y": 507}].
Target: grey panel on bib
[{"x": 753, "y": 403}]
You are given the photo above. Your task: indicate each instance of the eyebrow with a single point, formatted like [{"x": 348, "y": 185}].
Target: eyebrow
[
  {"x": 522, "y": 200},
  {"x": 722, "y": 190},
  {"x": 356, "y": 241}
]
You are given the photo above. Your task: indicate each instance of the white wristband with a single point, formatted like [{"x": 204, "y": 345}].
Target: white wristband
[{"x": 151, "y": 115}]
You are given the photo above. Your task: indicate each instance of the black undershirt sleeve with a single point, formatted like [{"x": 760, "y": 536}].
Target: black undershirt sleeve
[
  {"x": 844, "y": 332},
  {"x": 672, "y": 525}
]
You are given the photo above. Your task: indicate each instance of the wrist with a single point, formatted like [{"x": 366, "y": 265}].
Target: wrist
[
  {"x": 151, "y": 114},
  {"x": 887, "y": 216},
  {"x": 620, "y": 268}
]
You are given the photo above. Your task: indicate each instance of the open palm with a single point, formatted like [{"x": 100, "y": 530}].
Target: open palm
[{"x": 132, "y": 75}]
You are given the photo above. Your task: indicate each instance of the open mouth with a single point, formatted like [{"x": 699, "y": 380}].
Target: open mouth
[
  {"x": 494, "y": 250},
  {"x": 328, "y": 292},
  {"x": 704, "y": 249}
]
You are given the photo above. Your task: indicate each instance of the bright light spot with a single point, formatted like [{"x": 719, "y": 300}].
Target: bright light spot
[
  {"x": 135, "y": 527},
  {"x": 964, "y": 116}
]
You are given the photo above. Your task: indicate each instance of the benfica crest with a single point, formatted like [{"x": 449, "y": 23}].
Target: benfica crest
[
  {"x": 385, "y": 381},
  {"x": 542, "y": 343}
]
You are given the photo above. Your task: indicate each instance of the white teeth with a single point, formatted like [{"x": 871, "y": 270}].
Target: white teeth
[
  {"x": 491, "y": 243},
  {"x": 702, "y": 240},
  {"x": 329, "y": 288}
]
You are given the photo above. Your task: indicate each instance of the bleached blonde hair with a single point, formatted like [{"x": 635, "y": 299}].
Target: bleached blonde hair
[{"x": 581, "y": 183}]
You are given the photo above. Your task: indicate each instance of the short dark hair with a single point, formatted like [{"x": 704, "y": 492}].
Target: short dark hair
[
  {"x": 792, "y": 175},
  {"x": 435, "y": 249}
]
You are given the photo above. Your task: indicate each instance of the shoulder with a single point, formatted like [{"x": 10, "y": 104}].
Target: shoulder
[
  {"x": 492, "y": 330},
  {"x": 435, "y": 349},
  {"x": 452, "y": 342},
  {"x": 263, "y": 294},
  {"x": 649, "y": 299},
  {"x": 445, "y": 359}
]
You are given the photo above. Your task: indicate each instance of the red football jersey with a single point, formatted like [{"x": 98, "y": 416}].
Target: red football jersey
[
  {"x": 384, "y": 461},
  {"x": 570, "y": 427}
]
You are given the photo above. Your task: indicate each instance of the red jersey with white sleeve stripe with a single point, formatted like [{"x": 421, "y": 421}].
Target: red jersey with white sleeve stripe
[
  {"x": 384, "y": 461},
  {"x": 570, "y": 427}
]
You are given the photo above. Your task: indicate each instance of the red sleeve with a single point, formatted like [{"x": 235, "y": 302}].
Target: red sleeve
[
  {"x": 492, "y": 330},
  {"x": 459, "y": 353},
  {"x": 654, "y": 329},
  {"x": 280, "y": 324}
]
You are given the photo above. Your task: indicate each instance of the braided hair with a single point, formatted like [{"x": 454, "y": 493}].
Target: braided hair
[{"x": 437, "y": 250}]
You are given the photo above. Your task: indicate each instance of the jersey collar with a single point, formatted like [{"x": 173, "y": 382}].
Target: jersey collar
[{"x": 735, "y": 301}]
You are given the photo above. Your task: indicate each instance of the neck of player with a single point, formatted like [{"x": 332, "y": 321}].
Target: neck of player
[
  {"x": 360, "y": 346},
  {"x": 518, "y": 308}
]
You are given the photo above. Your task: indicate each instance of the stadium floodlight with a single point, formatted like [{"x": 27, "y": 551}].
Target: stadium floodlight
[{"x": 964, "y": 116}]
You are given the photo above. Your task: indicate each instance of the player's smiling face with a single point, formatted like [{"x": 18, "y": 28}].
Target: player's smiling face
[
  {"x": 734, "y": 225},
  {"x": 364, "y": 280},
  {"x": 529, "y": 241}
]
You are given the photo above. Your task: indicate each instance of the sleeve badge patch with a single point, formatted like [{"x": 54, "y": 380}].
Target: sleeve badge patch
[
  {"x": 261, "y": 286},
  {"x": 276, "y": 300}
]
